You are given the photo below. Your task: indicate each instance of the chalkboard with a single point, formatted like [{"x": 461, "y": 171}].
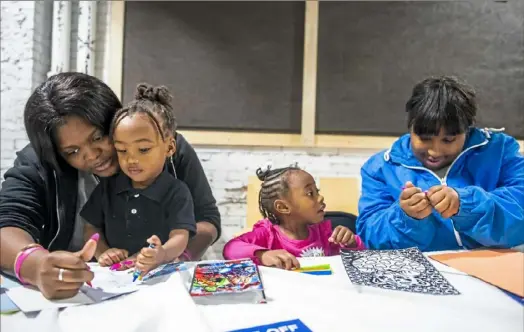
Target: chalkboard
[
  {"x": 370, "y": 54},
  {"x": 229, "y": 65}
]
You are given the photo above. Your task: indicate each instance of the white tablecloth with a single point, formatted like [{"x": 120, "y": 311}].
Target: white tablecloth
[{"x": 323, "y": 303}]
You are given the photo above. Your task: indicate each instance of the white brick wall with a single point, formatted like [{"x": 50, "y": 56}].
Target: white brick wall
[
  {"x": 17, "y": 66},
  {"x": 102, "y": 38},
  {"x": 25, "y": 60},
  {"x": 42, "y": 41},
  {"x": 73, "y": 49}
]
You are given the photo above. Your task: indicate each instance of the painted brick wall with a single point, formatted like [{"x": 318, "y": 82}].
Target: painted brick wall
[
  {"x": 102, "y": 39},
  {"x": 42, "y": 41},
  {"x": 25, "y": 49},
  {"x": 102, "y": 30}
]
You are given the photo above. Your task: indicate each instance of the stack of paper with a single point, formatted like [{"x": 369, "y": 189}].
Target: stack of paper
[
  {"x": 503, "y": 268},
  {"x": 107, "y": 284}
]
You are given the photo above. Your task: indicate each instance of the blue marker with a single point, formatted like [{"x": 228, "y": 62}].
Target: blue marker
[{"x": 137, "y": 271}]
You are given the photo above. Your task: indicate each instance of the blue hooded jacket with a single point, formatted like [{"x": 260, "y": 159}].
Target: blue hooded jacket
[{"x": 488, "y": 176}]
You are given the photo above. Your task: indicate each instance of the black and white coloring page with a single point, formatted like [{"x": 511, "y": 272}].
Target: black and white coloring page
[{"x": 403, "y": 269}]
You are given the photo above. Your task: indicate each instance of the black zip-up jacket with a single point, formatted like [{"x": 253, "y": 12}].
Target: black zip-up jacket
[{"x": 41, "y": 202}]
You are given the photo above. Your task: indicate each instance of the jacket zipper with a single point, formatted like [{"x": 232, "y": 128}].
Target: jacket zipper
[
  {"x": 57, "y": 206},
  {"x": 443, "y": 181},
  {"x": 57, "y": 211},
  {"x": 173, "y": 166}
]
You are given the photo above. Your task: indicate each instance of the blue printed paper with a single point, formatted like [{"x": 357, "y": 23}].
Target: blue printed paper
[
  {"x": 165, "y": 269},
  {"x": 295, "y": 325},
  {"x": 6, "y": 305},
  {"x": 319, "y": 273}
]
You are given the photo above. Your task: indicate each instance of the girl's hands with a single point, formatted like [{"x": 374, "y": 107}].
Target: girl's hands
[
  {"x": 343, "y": 236},
  {"x": 278, "y": 258}
]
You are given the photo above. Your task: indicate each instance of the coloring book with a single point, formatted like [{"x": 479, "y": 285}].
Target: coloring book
[{"x": 234, "y": 281}]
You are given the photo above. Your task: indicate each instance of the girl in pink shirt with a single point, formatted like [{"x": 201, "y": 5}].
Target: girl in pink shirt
[{"x": 294, "y": 224}]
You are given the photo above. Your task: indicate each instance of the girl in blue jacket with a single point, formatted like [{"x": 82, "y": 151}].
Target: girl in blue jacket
[{"x": 445, "y": 185}]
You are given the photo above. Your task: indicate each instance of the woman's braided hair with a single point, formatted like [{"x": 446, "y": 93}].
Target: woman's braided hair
[{"x": 274, "y": 186}]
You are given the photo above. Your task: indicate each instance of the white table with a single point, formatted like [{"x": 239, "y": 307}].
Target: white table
[{"x": 323, "y": 303}]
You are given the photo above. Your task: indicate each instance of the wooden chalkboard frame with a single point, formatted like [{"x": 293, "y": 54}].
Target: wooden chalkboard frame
[{"x": 306, "y": 139}]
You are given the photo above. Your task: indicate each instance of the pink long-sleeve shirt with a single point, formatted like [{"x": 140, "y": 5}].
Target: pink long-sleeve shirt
[{"x": 267, "y": 236}]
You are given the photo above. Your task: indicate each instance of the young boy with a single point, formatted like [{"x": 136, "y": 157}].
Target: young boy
[
  {"x": 445, "y": 185},
  {"x": 143, "y": 205}
]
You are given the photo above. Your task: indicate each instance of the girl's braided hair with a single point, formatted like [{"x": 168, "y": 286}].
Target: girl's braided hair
[{"x": 274, "y": 186}]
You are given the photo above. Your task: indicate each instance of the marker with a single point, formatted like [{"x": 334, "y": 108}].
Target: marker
[
  {"x": 115, "y": 266},
  {"x": 95, "y": 238},
  {"x": 89, "y": 282},
  {"x": 123, "y": 264},
  {"x": 137, "y": 271}
]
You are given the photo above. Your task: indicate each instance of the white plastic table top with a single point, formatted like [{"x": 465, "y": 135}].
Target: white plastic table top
[{"x": 324, "y": 303}]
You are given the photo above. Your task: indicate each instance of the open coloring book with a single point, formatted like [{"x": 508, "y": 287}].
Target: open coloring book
[
  {"x": 403, "y": 269},
  {"x": 107, "y": 284}
]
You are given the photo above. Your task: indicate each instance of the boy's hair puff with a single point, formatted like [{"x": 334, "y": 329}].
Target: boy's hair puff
[{"x": 150, "y": 100}]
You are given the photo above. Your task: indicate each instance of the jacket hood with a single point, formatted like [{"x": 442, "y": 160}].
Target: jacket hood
[{"x": 401, "y": 152}]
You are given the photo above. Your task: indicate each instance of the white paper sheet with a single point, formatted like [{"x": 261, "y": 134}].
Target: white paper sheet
[
  {"x": 113, "y": 282},
  {"x": 164, "y": 306},
  {"x": 29, "y": 299},
  {"x": 106, "y": 285}
]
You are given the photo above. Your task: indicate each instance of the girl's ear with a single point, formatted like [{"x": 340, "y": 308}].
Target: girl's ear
[
  {"x": 282, "y": 207},
  {"x": 171, "y": 147}
]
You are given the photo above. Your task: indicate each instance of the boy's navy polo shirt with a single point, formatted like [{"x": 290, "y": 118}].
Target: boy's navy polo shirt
[{"x": 129, "y": 216}]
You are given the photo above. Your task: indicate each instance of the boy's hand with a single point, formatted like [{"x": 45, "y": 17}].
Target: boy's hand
[
  {"x": 343, "y": 235},
  {"x": 112, "y": 256},
  {"x": 414, "y": 202},
  {"x": 278, "y": 258},
  {"x": 445, "y": 200},
  {"x": 150, "y": 258}
]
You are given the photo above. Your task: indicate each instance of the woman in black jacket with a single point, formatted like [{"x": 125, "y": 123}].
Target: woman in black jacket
[{"x": 67, "y": 121}]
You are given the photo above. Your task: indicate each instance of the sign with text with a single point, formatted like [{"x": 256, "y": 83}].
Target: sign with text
[{"x": 295, "y": 325}]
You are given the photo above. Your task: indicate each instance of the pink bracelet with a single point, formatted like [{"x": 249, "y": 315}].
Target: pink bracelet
[
  {"x": 20, "y": 260},
  {"x": 186, "y": 255}
]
